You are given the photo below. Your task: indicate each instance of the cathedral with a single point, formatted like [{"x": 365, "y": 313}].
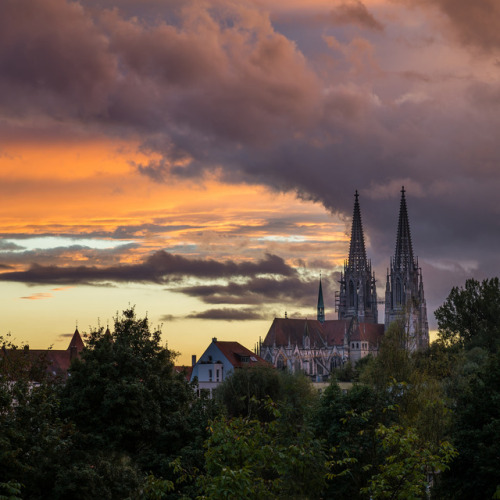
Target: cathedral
[{"x": 318, "y": 346}]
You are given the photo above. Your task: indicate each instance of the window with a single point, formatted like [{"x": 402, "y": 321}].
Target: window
[
  {"x": 210, "y": 375},
  {"x": 217, "y": 374}
]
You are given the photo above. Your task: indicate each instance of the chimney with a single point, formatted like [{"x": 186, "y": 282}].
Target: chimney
[
  {"x": 193, "y": 359},
  {"x": 214, "y": 339}
]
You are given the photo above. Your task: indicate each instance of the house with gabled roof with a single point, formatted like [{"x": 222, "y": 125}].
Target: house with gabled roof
[
  {"x": 219, "y": 360},
  {"x": 55, "y": 361}
]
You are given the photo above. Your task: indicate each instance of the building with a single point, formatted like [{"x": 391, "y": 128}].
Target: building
[
  {"x": 219, "y": 360},
  {"x": 316, "y": 347},
  {"x": 358, "y": 292},
  {"x": 404, "y": 293},
  {"x": 56, "y": 362}
]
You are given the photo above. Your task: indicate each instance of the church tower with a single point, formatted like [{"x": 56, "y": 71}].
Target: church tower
[
  {"x": 321, "y": 304},
  {"x": 404, "y": 295},
  {"x": 358, "y": 294}
]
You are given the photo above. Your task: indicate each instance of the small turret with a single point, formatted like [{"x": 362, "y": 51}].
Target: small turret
[{"x": 321, "y": 304}]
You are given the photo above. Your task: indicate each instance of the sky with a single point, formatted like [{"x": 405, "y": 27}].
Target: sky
[{"x": 198, "y": 160}]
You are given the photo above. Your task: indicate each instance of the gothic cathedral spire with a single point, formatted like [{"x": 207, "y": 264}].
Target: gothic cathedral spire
[
  {"x": 404, "y": 295},
  {"x": 358, "y": 295},
  {"x": 321, "y": 304}
]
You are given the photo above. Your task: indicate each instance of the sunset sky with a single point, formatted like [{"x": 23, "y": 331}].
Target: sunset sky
[{"x": 199, "y": 159}]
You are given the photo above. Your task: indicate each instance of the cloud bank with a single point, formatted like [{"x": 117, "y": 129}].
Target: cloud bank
[{"x": 353, "y": 95}]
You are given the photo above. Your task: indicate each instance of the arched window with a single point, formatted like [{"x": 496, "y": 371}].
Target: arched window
[
  {"x": 368, "y": 294},
  {"x": 351, "y": 294}
]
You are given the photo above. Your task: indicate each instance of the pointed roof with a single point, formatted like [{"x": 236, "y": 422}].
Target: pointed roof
[
  {"x": 76, "y": 341},
  {"x": 403, "y": 257},
  {"x": 357, "y": 253},
  {"x": 321, "y": 304},
  {"x": 238, "y": 355}
]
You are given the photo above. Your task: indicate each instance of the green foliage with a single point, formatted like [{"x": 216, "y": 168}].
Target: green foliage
[
  {"x": 243, "y": 392},
  {"x": 476, "y": 429},
  {"x": 348, "y": 422},
  {"x": 33, "y": 438},
  {"x": 352, "y": 372},
  {"x": 155, "y": 489},
  {"x": 469, "y": 316},
  {"x": 124, "y": 394},
  {"x": 248, "y": 458},
  {"x": 394, "y": 363},
  {"x": 11, "y": 490},
  {"x": 408, "y": 461}
]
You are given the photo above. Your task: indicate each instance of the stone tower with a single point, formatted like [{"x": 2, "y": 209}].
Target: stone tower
[
  {"x": 358, "y": 294},
  {"x": 404, "y": 293},
  {"x": 321, "y": 304}
]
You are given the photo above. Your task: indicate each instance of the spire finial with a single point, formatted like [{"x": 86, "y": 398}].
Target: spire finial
[{"x": 403, "y": 190}]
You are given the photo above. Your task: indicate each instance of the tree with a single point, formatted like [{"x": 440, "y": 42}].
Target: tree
[
  {"x": 475, "y": 432},
  {"x": 347, "y": 423},
  {"x": 470, "y": 316},
  {"x": 247, "y": 458},
  {"x": 125, "y": 398},
  {"x": 408, "y": 461},
  {"x": 33, "y": 438},
  {"x": 394, "y": 362},
  {"x": 244, "y": 392}
]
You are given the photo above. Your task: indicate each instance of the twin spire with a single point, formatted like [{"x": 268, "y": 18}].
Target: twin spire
[{"x": 404, "y": 295}]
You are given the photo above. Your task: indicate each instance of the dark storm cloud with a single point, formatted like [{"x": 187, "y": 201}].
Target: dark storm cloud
[
  {"x": 160, "y": 267},
  {"x": 220, "y": 88},
  {"x": 354, "y": 12},
  {"x": 227, "y": 314},
  {"x": 262, "y": 291},
  {"x": 52, "y": 59},
  {"x": 64, "y": 255},
  {"x": 475, "y": 22}
]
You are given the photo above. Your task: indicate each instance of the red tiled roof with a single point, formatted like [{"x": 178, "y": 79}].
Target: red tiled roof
[
  {"x": 186, "y": 370},
  {"x": 234, "y": 352},
  {"x": 373, "y": 333},
  {"x": 286, "y": 330},
  {"x": 57, "y": 361}
]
